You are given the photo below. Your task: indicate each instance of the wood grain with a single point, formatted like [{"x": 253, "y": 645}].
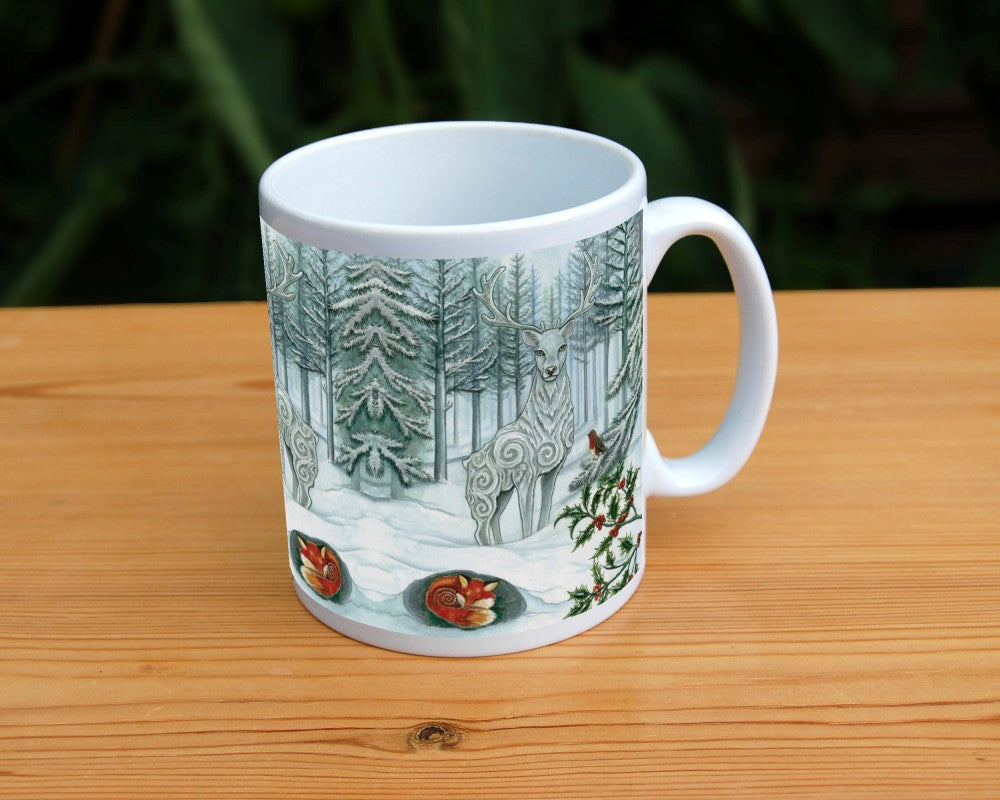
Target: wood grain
[{"x": 826, "y": 625}]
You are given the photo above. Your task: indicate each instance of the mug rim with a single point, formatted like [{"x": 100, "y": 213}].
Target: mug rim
[{"x": 470, "y": 239}]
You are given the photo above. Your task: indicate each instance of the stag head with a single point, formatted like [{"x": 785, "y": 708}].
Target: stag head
[
  {"x": 550, "y": 349},
  {"x": 549, "y": 343}
]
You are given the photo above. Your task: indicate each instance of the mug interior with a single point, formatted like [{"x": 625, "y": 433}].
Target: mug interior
[{"x": 449, "y": 174}]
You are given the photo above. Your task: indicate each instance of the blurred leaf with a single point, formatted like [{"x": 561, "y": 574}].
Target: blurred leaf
[
  {"x": 39, "y": 278},
  {"x": 224, "y": 93},
  {"x": 508, "y": 56},
  {"x": 970, "y": 28},
  {"x": 32, "y": 26},
  {"x": 756, "y": 11},
  {"x": 874, "y": 196},
  {"x": 852, "y": 35},
  {"x": 67, "y": 79},
  {"x": 381, "y": 83},
  {"x": 693, "y": 106},
  {"x": 307, "y": 9},
  {"x": 259, "y": 49},
  {"x": 618, "y": 105},
  {"x": 741, "y": 190}
]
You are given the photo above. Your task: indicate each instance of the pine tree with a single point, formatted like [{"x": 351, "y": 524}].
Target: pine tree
[
  {"x": 446, "y": 294},
  {"x": 585, "y": 333},
  {"x": 620, "y": 310},
  {"x": 304, "y": 345},
  {"x": 534, "y": 298},
  {"x": 627, "y": 285},
  {"x": 314, "y": 341},
  {"x": 280, "y": 278},
  {"x": 306, "y": 340},
  {"x": 521, "y": 362},
  {"x": 506, "y": 349},
  {"x": 473, "y": 378},
  {"x": 382, "y": 404}
]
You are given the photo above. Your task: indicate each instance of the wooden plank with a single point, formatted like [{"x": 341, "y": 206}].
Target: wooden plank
[{"x": 826, "y": 625}]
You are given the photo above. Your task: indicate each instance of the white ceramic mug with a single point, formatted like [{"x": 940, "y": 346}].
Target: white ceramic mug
[{"x": 459, "y": 337}]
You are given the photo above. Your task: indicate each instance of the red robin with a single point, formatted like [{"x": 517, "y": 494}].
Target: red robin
[{"x": 596, "y": 444}]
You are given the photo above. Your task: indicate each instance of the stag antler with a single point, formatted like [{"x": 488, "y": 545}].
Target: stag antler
[
  {"x": 288, "y": 277},
  {"x": 588, "y": 295},
  {"x": 498, "y": 318}
]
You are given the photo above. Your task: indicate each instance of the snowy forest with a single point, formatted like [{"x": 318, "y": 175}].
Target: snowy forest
[{"x": 394, "y": 377}]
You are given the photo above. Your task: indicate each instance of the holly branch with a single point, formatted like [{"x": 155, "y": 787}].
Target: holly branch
[{"x": 605, "y": 510}]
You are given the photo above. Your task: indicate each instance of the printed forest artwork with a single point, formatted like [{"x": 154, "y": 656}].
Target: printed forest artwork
[{"x": 460, "y": 439}]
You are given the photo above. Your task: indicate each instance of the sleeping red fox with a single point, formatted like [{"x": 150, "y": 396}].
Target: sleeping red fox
[{"x": 464, "y": 602}]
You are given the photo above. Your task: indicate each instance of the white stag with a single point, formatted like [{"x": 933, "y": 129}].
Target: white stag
[{"x": 532, "y": 449}]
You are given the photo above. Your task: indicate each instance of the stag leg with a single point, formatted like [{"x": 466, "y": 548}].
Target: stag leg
[
  {"x": 548, "y": 485},
  {"x": 483, "y": 531},
  {"x": 526, "y": 500},
  {"x": 502, "y": 500},
  {"x": 483, "y": 514}
]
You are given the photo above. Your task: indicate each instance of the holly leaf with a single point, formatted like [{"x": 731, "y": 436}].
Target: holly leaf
[
  {"x": 580, "y": 607},
  {"x": 631, "y": 479},
  {"x": 575, "y": 514},
  {"x": 584, "y": 536},
  {"x": 603, "y": 547},
  {"x": 614, "y": 507},
  {"x": 580, "y": 593}
]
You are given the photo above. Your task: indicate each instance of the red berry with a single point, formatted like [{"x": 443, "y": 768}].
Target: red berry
[
  {"x": 622, "y": 518},
  {"x": 638, "y": 539},
  {"x": 614, "y": 531},
  {"x": 631, "y": 499},
  {"x": 599, "y": 521},
  {"x": 621, "y": 484}
]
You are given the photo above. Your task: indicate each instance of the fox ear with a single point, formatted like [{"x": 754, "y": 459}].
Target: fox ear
[
  {"x": 463, "y": 581},
  {"x": 489, "y": 587},
  {"x": 530, "y": 338}
]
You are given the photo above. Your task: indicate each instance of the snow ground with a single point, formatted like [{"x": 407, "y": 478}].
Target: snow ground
[{"x": 387, "y": 544}]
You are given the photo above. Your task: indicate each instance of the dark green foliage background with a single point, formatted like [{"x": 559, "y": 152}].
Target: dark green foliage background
[{"x": 132, "y": 134}]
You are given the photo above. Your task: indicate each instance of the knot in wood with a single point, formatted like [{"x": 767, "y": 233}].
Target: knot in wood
[{"x": 438, "y": 735}]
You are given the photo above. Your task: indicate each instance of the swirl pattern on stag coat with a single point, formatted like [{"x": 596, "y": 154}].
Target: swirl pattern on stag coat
[{"x": 299, "y": 446}]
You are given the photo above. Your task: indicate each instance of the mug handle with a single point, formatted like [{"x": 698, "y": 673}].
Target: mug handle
[{"x": 729, "y": 448}]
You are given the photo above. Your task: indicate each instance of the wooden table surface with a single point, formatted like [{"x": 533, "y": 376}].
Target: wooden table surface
[{"x": 826, "y": 624}]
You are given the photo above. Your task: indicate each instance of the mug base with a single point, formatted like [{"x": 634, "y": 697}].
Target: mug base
[{"x": 488, "y": 645}]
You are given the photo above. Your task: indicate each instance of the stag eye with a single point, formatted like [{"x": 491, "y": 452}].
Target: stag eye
[
  {"x": 539, "y": 352},
  {"x": 561, "y": 348}
]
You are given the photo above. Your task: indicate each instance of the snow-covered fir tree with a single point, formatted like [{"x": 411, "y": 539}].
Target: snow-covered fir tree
[
  {"x": 314, "y": 333},
  {"x": 620, "y": 308},
  {"x": 280, "y": 279},
  {"x": 586, "y": 333},
  {"x": 531, "y": 313},
  {"x": 382, "y": 405},
  {"x": 454, "y": 356},
  {"x": 472, "y": 379},
  {"x": 518, "y": 282},
  {"x": 508, "y": 366},
  {"x": 303, "y": 346}
]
